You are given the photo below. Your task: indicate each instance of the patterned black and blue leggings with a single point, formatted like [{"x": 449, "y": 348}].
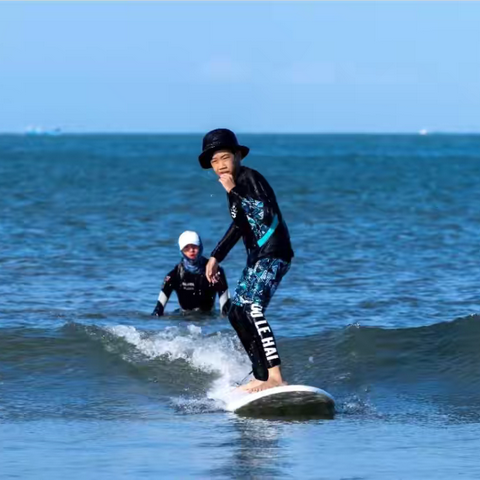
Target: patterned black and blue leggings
[{"x": 251, "y": 298}]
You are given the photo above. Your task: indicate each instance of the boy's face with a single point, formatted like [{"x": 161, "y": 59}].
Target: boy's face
[
  {"x": 225, "y": 162},
  {"x": 191, "y": 251}
]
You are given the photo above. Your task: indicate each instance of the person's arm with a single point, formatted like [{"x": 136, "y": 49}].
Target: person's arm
[
  {"x": 223, "y": 294},
  {"x": 229, "y": 240},
  {"x": 221, "y": 251},
  {"x": 165, "y": 292}
]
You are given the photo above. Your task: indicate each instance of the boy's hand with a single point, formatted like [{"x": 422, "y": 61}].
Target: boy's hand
[
  {"x": 227, "y": 181},
  {"x": 211, "y": 270}
]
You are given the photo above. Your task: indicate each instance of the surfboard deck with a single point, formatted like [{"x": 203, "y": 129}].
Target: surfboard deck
[{"x": 288, "y": 400}]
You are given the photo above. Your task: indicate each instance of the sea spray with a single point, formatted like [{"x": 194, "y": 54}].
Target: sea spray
[{"x": 219, "y": 354}]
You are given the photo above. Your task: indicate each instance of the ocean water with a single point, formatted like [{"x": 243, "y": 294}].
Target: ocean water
[{"x": 380, "y": 308}]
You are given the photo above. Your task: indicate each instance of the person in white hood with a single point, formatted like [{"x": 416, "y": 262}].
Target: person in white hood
[{"x": 188, "y": 280}]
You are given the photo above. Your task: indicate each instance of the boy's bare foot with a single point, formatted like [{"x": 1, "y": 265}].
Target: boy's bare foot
[
  {"x": 266, "y": 385},
  {"x": 274, "y": 380},
  {"x": 254, "y": 383}
]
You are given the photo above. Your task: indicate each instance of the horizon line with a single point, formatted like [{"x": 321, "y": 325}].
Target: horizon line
[{"x": 53, "y": 133}]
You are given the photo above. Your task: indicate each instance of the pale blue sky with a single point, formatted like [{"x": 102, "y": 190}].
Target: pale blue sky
[{"x": 254, "y": 67}]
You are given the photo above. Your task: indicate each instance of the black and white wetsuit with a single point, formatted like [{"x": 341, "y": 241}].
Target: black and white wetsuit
[
  {"x": 257, "y": 218},
  {"x": 193, "y": 290}
]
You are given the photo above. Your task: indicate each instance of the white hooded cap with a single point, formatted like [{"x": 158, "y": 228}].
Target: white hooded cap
[{"x": 189, "y": 238}]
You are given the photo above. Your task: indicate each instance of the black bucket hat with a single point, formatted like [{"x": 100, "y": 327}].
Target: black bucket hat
[{"x": 219, "y": 139}]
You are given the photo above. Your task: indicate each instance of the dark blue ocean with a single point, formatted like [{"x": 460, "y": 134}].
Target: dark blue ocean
[{"x": 380, "y": 308}]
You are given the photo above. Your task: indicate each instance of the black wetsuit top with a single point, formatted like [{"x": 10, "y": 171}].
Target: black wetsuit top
[
  {"x": 193, "y": 290},
  {"x": 257, "y": 218}
]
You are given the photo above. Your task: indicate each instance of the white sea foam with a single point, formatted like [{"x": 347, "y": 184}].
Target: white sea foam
[{"x": 219, "y": 354}]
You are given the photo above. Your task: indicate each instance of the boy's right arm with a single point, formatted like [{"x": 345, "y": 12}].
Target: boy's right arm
[
  {"x": 221, "y": 251},
  {"x": 227, "y": 242},
  {"x": 165, "y": 292}
]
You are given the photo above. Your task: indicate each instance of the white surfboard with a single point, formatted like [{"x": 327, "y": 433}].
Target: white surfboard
[{"x": 287, "y": 400}]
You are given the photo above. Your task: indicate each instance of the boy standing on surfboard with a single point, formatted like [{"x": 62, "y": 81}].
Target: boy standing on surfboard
[{"x": 257, "y": 218}]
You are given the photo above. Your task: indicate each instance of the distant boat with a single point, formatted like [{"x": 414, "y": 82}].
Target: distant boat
[
  {"x": 39, "y": 131},
  {"x": 423, "y": 131}
]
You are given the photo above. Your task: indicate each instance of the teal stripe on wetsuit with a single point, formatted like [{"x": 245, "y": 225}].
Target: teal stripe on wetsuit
[
  {"x": 262, "y": 241},
  {"x": 254, "y": 211}
]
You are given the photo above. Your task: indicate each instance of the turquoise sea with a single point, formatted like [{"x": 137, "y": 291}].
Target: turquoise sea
[{"x": 380, "y": 308}]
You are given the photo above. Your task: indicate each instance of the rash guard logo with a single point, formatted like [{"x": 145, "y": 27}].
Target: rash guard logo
[{"x": 233, "y": 211}]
